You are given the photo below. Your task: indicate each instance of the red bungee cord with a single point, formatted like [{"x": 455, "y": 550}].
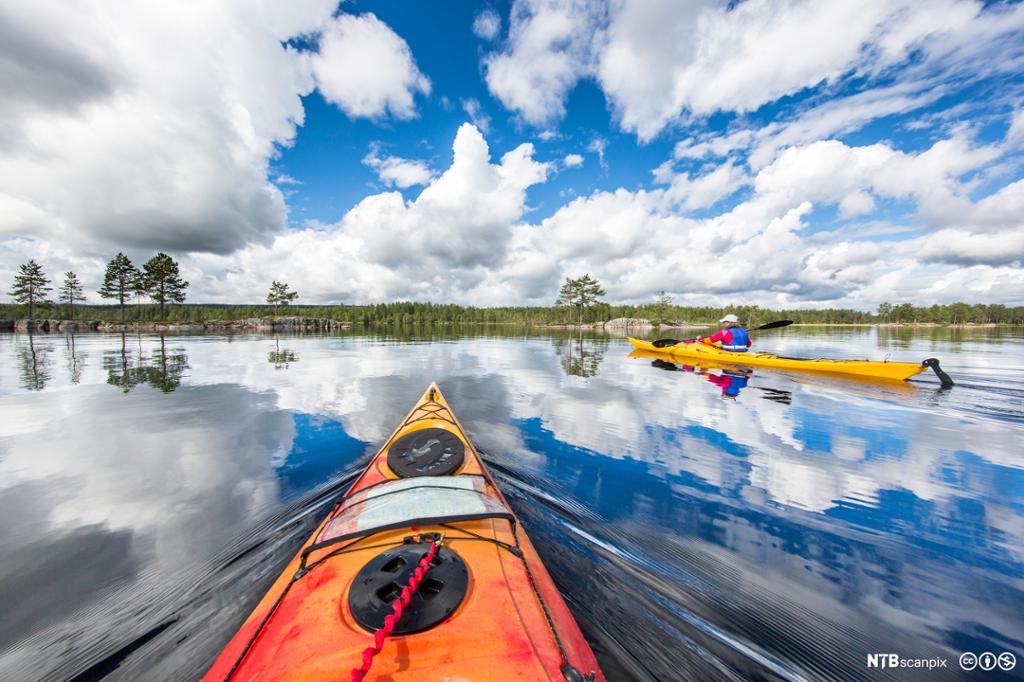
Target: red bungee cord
[{"x": 397, "y": 607}]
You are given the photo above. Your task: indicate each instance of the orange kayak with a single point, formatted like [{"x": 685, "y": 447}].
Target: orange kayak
[{"x": 425, "y": 514}]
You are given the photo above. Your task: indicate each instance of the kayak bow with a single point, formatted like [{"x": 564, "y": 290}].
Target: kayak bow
[
  {"x": 893, "y": 371},
  {"x": 484, "y": 609}
]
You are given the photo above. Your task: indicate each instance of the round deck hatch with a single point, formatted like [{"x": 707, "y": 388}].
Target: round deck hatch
[
  {"x": 381, "y": 580},
  {"x": 427, "y": 452}
]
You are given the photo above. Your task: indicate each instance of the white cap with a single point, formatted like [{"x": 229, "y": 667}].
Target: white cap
[{"x": 730, "y": 318}]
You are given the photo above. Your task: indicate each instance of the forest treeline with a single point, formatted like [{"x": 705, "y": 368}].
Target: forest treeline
[
  {"x": 412, "y": 313},
  {"x": 579, "y": 302}
]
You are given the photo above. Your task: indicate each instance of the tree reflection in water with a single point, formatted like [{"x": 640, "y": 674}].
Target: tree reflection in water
[
  {"x": 166, "y": 369},
  {"x": 75, "y": 359},
  {"x": 35, "y": 365},
  {"x": 121, "y": 371},
  {"x": 280, "y": 358},
  {"x": 163, "y": 370},
  {"x": 581, "y": 356}
]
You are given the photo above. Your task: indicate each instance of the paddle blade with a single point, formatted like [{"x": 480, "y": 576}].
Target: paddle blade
[
  {"x": 773, "y": 325},
  {"x": 664, "y": 343}
]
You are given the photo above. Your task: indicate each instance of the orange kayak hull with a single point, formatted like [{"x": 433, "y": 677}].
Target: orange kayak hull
[{"x": 506, "y": 627}]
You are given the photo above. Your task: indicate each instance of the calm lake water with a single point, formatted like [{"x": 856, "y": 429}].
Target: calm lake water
[{"x": 151, "y": 490}]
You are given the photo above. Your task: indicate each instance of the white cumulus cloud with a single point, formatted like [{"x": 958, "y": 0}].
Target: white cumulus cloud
[
  {"x": 477, "y": 117},
  {"x": 131, "y": 125},
  {"x": 572, "y": 161},
  {"x": 466, "y": 236},
  {"x": 487, "y": 24},
  {"x": 658, "y": 61},
  {"x": 140, "y": 127},
  {"x": 1015, "y": 134},
  {"x": 367, "y": 69},
  {"x": 704, "y": 190},
  {"x": 549, "y": 48},
  {"x": 396, "y": 171},
  {"x": 436, "y": 246},
  {"x": 110, "y": 145}
]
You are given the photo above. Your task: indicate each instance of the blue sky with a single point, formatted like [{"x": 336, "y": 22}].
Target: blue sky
[
  {"x": 327, "y": 155},
  {"x": 786, "y": 153}
]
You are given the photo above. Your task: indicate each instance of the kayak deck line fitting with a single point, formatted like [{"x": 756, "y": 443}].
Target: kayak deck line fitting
[
  {"x": 874, "y": 369},
  {"x": 361, "y": 598},
  {"x": 401, "y": 602}
]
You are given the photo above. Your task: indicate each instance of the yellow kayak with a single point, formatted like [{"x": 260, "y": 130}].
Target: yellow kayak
[{"x": 875, "y": 369}]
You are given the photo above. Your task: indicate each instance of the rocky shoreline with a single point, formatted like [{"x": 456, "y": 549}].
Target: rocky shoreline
[
  {"x": 258, "y": 324},
  {"x": 625, "y": 323}
]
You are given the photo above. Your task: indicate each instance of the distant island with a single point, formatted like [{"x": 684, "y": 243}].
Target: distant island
[
  {"x": 152, "y": 299},
  {"x": 198, "y": 317}
]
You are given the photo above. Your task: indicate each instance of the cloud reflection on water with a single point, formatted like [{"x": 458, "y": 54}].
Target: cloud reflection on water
[{"x": 867, "y": 513}]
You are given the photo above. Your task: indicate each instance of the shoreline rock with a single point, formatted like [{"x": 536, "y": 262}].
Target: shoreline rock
[
  {"x": 569, "y": 325},
  {"x": 627, "y": 322},
  {"x": 679, "y": 324}
]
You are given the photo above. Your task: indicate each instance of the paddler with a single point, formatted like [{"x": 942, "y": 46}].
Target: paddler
[{"x": 732, "y": 337}]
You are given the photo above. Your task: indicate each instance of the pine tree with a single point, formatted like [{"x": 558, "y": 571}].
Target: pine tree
[
  {"x": 70, "y": 293},
  {"x": 580, "y": 293},
  {"x": 31, "y": 286},
  {"x": 662, "y": 304},
  {"x": 139, "y": 291},
  {"x": 280, "y": 295},
  {"x": 567, "y": 295},
  {"x": 162, "y": 281},
  {"x": 589, "y": 292},
  {"x": 120, "y": 280}
]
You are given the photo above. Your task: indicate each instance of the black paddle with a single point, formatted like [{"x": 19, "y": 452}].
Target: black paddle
[{"x": 663, "y": 343}]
